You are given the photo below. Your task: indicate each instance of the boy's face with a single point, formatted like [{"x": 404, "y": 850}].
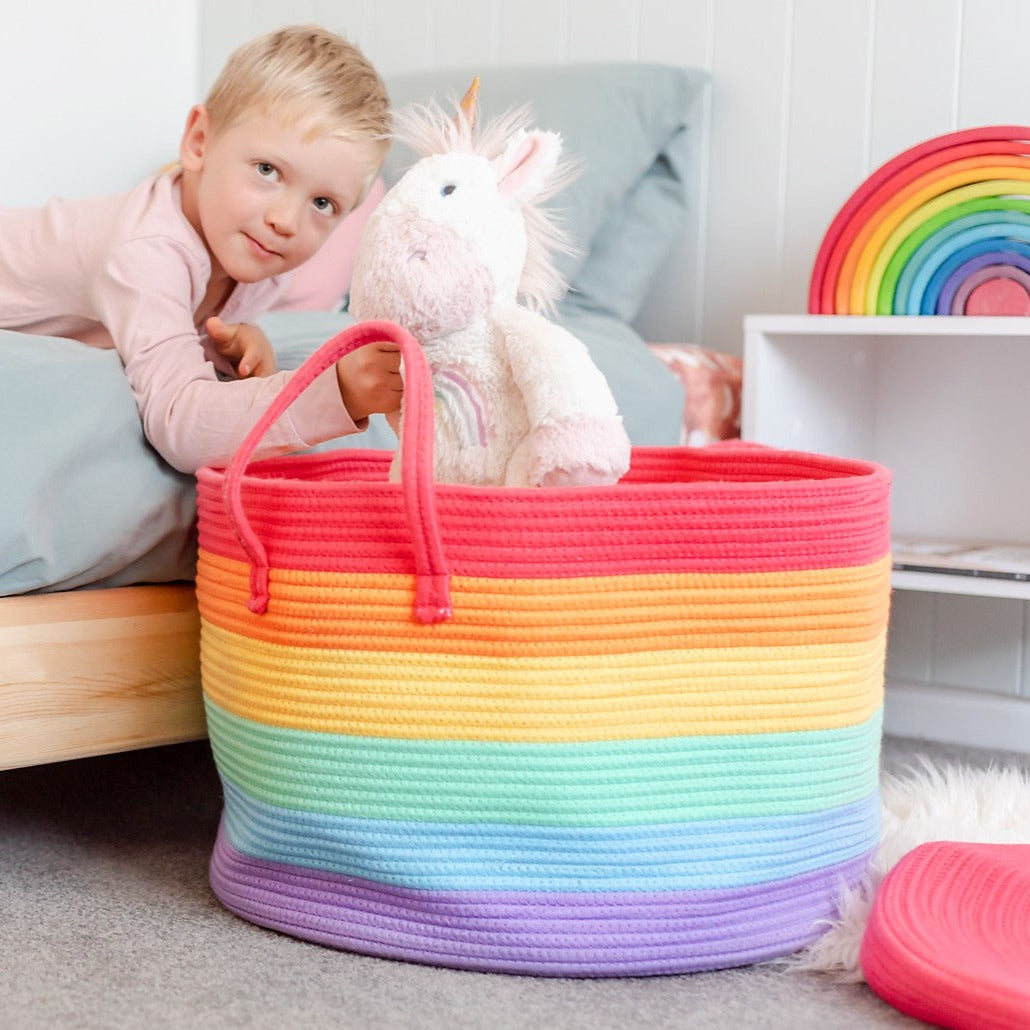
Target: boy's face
[{"x": 263, "y": 196}]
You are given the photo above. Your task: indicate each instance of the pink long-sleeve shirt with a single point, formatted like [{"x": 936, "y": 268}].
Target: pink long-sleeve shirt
[{"x": 128, "y": 271}]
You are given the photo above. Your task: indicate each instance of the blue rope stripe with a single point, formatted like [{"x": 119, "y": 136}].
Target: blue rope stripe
[{"x": 480, "y": 856}]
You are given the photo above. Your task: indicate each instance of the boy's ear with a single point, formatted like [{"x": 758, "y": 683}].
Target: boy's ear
[{"x": 195, "y": 138}]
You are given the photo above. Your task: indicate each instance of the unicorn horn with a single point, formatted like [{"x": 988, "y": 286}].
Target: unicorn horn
[{"x": 469, "y": 105}]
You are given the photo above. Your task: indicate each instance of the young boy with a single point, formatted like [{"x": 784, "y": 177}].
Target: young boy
[{"x": 172, "y": 273}]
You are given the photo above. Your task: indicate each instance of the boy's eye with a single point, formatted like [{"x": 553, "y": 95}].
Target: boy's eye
[
  {"x": 265, "y": 169},
  {"x": 325, "y": 205},
  {"x": 446, "y": 191}
]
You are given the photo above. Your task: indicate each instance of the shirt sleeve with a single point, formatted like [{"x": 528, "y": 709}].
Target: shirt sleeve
[{"x": 145, "y": 296}]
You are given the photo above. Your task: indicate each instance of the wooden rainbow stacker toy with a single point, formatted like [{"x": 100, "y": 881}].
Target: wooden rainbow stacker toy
[{"x": 941, "y": 229}]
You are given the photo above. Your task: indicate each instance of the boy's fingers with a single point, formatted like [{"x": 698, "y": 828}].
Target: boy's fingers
[
  {"x": 252, "y": 362},
  {"x": 219, "y": 331},
  {"x": 259, "y": 363},
  {"x": 249, "y": 360},
  {"x": 393, "y": 354}
]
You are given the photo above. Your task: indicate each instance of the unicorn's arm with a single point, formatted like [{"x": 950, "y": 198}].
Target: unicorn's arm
[
  {"x": 552, "y": 368},
  {"x": 576, "y": 435}
]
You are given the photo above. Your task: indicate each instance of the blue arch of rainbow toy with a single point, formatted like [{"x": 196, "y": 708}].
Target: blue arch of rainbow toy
[
  {"x": 942, "y": 240},
  {"x": 998, "y": 207},
  {"x": 924, "y": 296},
  {"x": 1006, "y": 268},
  {"x": 918, "y": 295}
]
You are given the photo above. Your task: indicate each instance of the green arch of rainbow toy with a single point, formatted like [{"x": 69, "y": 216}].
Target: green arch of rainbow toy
[{"x": 943, "y": 228}]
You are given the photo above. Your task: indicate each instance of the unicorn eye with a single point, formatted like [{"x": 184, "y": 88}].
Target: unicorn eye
[{"x": 446, "y": 191}]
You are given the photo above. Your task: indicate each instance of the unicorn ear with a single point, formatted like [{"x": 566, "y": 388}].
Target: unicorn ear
[{"x": 527, "y": 163}]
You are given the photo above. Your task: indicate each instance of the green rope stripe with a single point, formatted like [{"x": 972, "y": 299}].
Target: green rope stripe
[{"x": 595, "y": 784}]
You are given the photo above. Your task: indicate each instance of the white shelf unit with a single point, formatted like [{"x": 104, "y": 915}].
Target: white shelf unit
[{"x": 945, "y": 404}]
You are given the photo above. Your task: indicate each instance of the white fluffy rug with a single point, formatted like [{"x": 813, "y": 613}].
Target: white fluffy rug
[{"x": 925, "y": 803}]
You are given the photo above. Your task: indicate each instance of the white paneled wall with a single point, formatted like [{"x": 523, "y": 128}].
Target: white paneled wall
[
  {"x": 93, "y": 95},
  {"x": 808, "y": 97}
]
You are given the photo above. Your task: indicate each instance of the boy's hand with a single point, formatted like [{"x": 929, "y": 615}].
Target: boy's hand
[
  {"x": 245, "y": 345},
  {"x": 370, "y": 380}
]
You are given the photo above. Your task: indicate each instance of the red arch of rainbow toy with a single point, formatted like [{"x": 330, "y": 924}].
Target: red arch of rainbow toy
[{"x": 942, "y": 228}]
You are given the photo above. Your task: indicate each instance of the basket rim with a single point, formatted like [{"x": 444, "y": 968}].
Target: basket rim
[{"x": 284, "y": 469}]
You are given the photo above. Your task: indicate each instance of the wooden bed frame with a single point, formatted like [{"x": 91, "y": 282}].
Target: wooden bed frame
[{"x": 90, "y": 672}]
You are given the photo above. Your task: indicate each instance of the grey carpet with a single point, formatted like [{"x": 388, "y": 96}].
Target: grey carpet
[{"x": 106, "y": 921}]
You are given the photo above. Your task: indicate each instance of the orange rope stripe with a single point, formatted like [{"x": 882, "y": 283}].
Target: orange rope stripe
[{"x": 595, "y": 615}]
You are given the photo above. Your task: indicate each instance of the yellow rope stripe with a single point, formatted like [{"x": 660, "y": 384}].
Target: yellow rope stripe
[
  {"x": 554, "y": 617},
  {"x": 545, "y": 700}
]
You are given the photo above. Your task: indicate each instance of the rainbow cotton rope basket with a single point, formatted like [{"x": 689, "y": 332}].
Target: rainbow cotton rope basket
[{"x": 579, "y": 732}]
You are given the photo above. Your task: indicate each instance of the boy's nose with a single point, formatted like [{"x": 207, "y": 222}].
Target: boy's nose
[{"x": 282, "y": 219}]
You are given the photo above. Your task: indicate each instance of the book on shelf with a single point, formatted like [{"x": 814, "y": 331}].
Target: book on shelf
[{"x": 962, "y": 558}]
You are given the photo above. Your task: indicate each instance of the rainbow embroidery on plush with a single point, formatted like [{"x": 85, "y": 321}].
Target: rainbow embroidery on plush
[{"x": 460, "y": 408}]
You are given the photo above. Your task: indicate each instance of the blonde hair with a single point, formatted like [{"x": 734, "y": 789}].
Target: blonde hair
[{"x": 303, "y": 74}]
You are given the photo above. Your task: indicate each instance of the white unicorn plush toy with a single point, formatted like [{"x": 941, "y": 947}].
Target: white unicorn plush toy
[{"x": 448, "y": 253}]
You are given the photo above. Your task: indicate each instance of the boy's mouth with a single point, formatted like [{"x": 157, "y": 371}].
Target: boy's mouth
[{"x": 259, "y": 248}]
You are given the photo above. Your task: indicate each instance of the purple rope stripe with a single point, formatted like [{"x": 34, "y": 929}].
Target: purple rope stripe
[{"x": 545, "y": 934}]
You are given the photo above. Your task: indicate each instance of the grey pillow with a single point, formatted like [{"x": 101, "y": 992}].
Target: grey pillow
[
  {"x": 85, "y": 498},
  {"x": 626, "y": 127}
]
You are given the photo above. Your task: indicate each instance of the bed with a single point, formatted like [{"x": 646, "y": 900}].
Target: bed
[{"x": 98, "y": 624}]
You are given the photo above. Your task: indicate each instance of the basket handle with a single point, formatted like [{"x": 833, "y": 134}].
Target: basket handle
[{"x": 432, "y": 583}]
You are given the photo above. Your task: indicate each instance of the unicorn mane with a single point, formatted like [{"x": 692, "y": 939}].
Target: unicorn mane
[{"x": 428, "y": 129}]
